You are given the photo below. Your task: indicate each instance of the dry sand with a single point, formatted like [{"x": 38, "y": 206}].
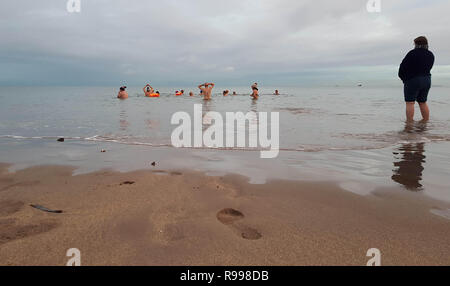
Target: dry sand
[{"x": 187, "y": 218}]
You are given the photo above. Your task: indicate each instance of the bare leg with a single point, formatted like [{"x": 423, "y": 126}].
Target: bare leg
[
  {"x": 425, "y": 111},
  {"x": 410, "y": 111}
]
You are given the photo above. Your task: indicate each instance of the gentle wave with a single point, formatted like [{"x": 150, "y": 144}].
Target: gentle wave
[
  {"x": 40, "y": 137},
  {"x": 393, "y": 138},
  {"x": 378, "y": 141}
]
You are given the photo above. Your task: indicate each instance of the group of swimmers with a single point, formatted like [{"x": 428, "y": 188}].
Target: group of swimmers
[
  {"x": 205, "y": 91},
  {"x": 414, "y": 71}
]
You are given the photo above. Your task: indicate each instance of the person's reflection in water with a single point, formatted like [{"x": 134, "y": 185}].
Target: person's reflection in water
[
  {"x": 206, "y": 119},
  {"x": 123, "y": 120},
  {"x": 408, "y": 170},
  {"x": 254, "y": 106}
]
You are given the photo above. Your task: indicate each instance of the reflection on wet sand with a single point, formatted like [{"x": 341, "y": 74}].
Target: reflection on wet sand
[
  {"x": 409, "y": 159},
  {"x": 408, "y": 170}
]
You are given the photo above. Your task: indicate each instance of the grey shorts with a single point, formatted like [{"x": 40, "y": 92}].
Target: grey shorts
[{"x": 416, "y": 89}]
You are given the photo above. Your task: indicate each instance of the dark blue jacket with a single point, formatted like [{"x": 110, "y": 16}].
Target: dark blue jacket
[{"x": 418, "y": 62}]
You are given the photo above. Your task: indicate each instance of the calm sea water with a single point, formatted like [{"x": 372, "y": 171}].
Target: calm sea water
[
  {"x": 311, "y": 119},
  {"x": 355, "y": 136}
]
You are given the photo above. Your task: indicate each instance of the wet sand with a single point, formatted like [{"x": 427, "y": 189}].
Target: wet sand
[{"x": 179, "y": 217}]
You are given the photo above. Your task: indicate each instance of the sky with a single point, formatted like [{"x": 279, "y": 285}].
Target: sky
[{"x": 234, "y": 42}]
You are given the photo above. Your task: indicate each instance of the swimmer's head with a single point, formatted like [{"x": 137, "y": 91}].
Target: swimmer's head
[
  {"x": 148, "y": 88},
  {"x": 122, "y": 88},
  {"x": 157, "y": 92}
]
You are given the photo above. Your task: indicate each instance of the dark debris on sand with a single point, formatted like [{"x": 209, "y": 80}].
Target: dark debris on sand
[{"x": 44, "y": 209}]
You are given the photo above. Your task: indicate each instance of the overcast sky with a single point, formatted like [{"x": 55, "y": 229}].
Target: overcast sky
[{"x": 173, "y": 42}]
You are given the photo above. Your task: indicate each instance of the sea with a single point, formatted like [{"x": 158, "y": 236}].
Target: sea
[{"x": 355, "y": 136}]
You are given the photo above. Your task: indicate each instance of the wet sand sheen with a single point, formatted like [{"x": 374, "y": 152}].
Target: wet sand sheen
[{"x": 187, "y": 218}]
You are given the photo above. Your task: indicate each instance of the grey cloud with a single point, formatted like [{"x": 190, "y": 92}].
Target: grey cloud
[{"x": 202, "y": 40}]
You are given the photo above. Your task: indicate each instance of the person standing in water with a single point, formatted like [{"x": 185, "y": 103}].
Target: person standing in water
[
  {"x": 415, "y": 73},
  {"x": 255, "y": 92},
  {"x": 148, "y": 90},
  {"x": 122, "y": 93},
  {"x": 206, "y": 90}
]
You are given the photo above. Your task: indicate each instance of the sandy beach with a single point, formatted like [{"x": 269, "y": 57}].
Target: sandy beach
[
  {"x": 225, "y": 133},
  {"x": 178, "y": 217}
]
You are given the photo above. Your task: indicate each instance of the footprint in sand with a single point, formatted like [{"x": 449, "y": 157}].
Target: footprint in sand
[
  {"x": 232, "y": 217},
  {"x": 10, "y": 231},
  {"x": 9, "y": 207}
]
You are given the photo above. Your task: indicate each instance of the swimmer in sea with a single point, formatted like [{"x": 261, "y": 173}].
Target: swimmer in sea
[
  {"x": 255, "y": 92},
  {"x": 122, "y": 93},
  {"x": 206, "y": 90},
  {"x": 191, "y": 93},
  {"x": 234, "y": 93},
  {"x": 226, "y": 92},
  {"x": 148, "y": 90},
  {"x": 276, "y": 92}
]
